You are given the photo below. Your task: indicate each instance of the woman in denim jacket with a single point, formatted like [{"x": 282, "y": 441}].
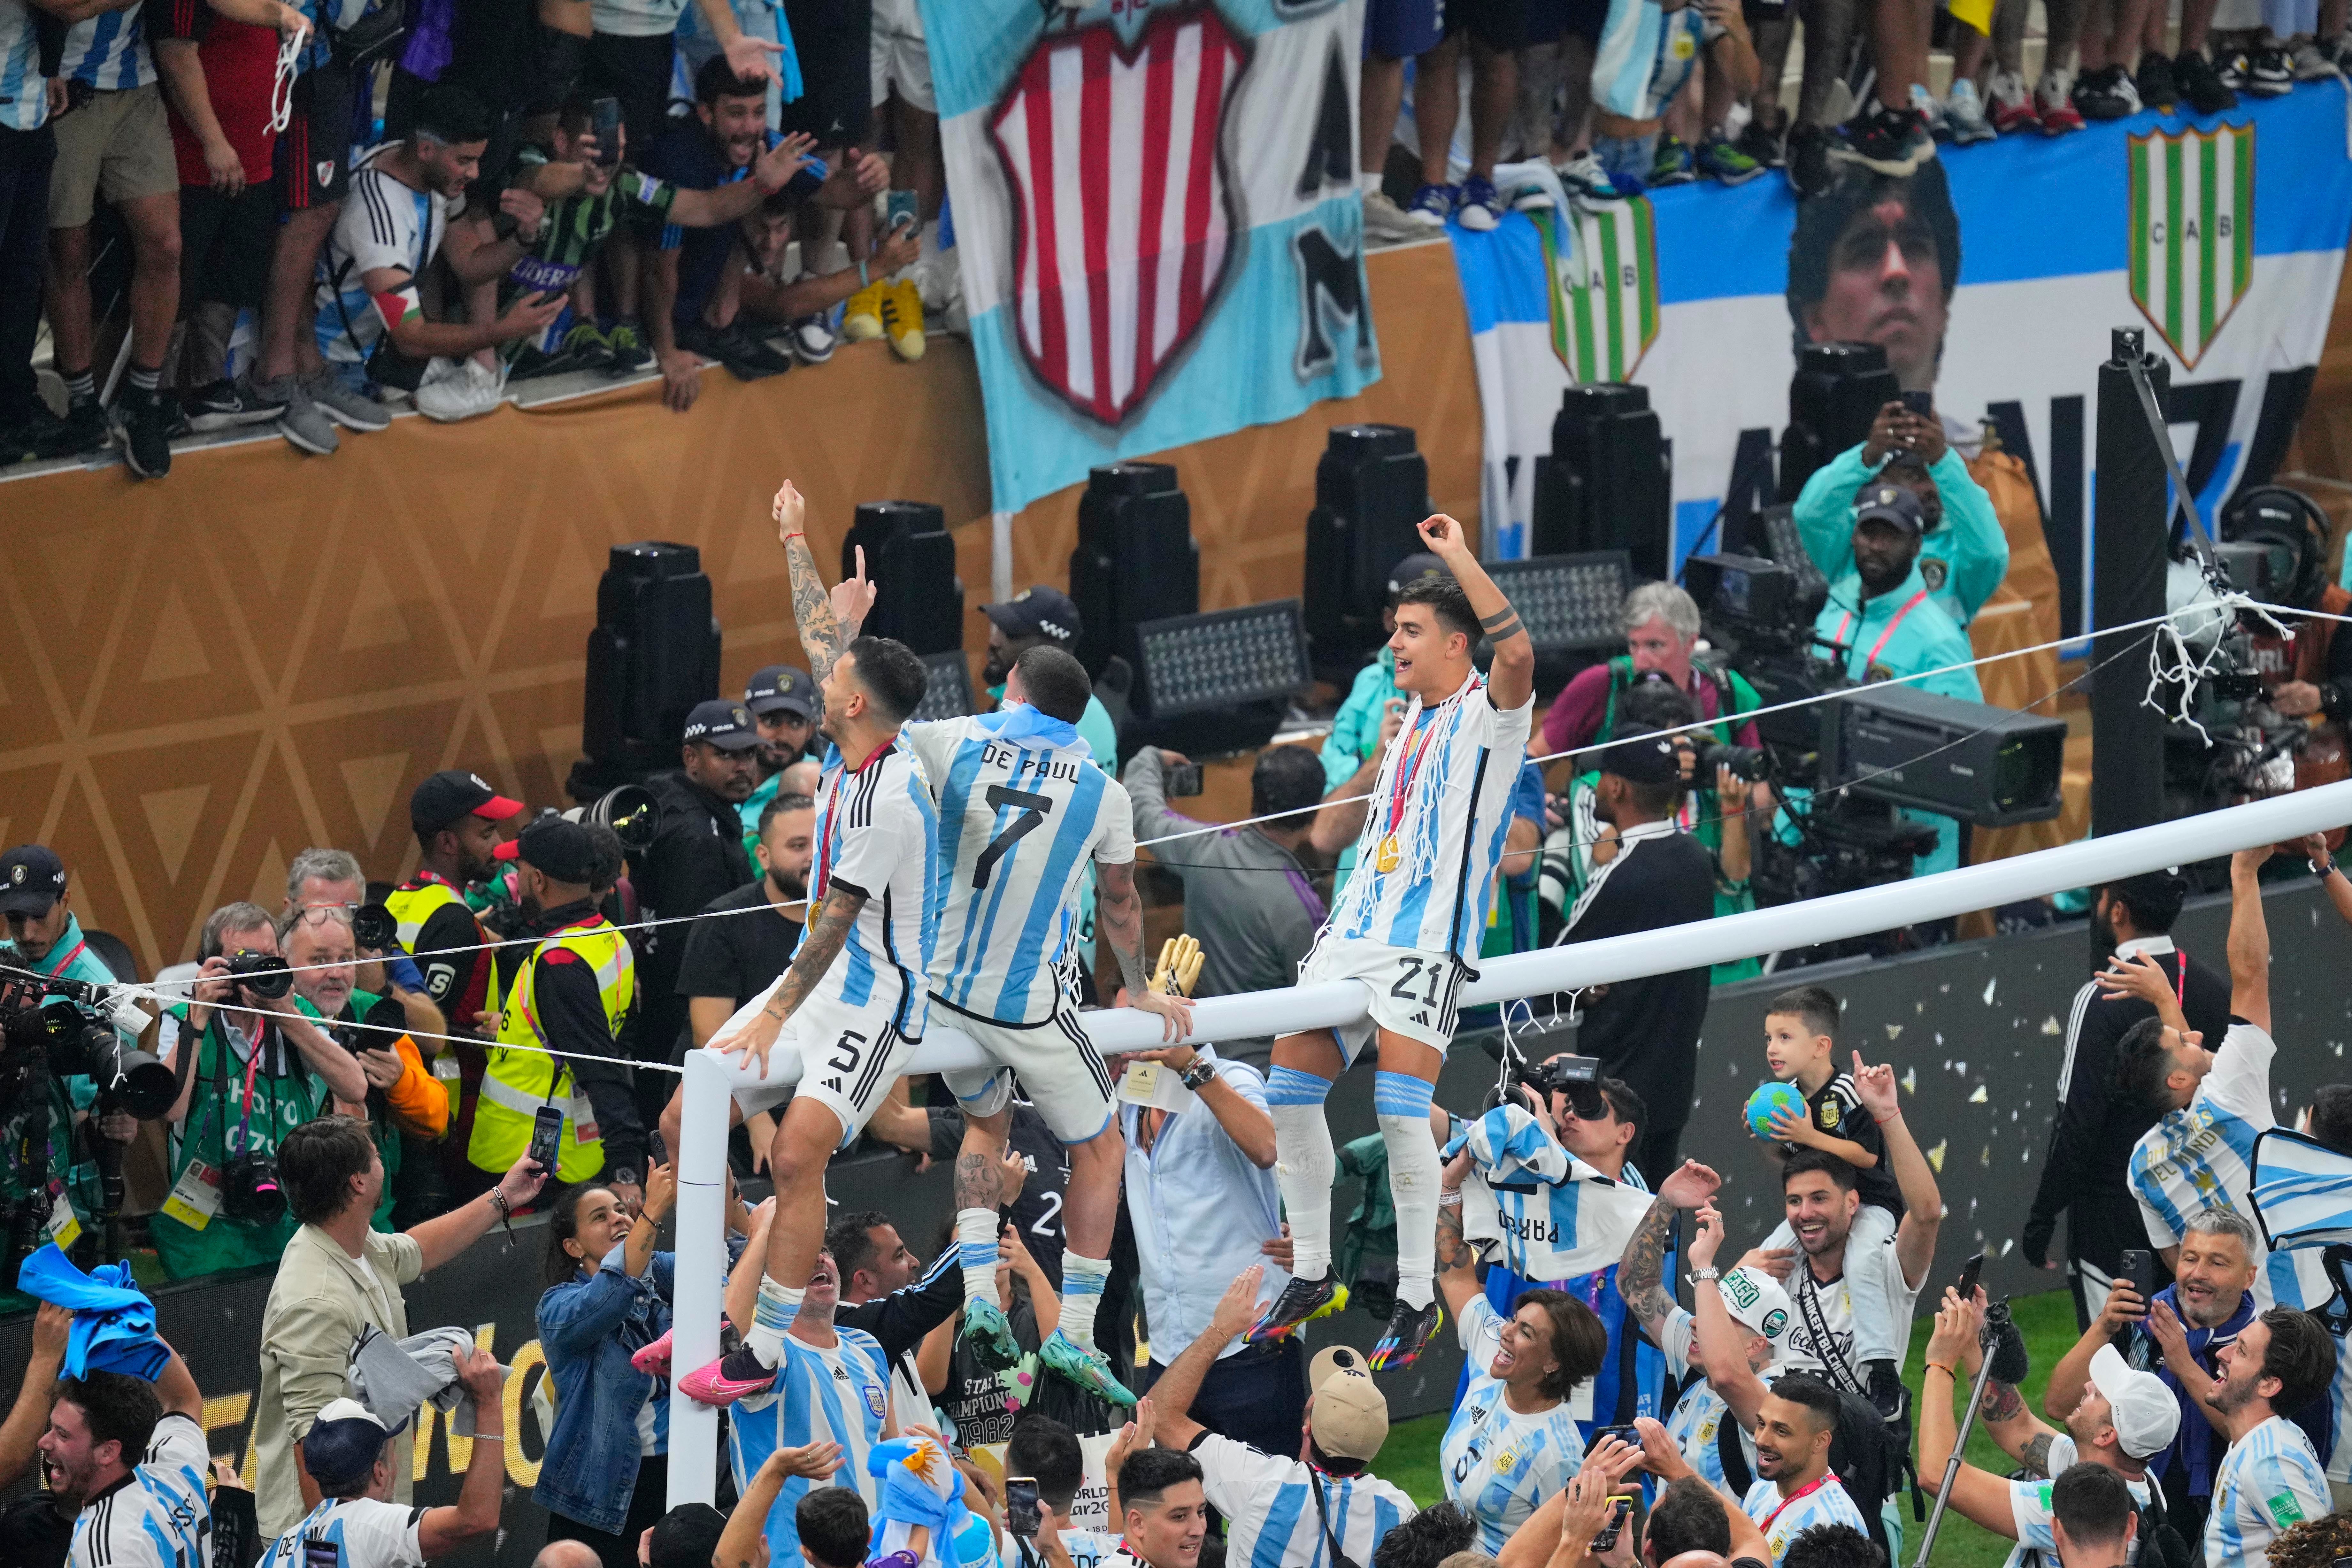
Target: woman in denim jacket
[{"x": 605, "y": 1473}]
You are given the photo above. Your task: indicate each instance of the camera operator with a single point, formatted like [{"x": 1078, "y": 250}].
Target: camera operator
[
  {"x": 1662, "y": 631},
  {"x": 45, "y": 938},
  {"x": 1646, "y": 1032},
  {"x": 1963, "y": 553},
  {"x": 1884, "y": 619},
  {"x": 697, "y": 853},
  {"x": 405, "y": 1102},
  {"x": 252, "y": 1068}
]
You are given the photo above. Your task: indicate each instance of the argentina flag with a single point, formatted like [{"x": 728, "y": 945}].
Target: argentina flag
[
  {"x": 1555, "y": 1216},
  {"x": 2302, "y": 1190}
]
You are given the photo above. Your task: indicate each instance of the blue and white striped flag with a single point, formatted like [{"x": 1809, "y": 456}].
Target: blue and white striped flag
[
  {"x": 2302, "y": 1190},
  {"x": 1555, "y": 1216}
]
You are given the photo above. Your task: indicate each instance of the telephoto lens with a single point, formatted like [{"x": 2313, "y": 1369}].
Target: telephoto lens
[
  {"x": 263, "y": 973},
  {"x": 374, "y": 927}
]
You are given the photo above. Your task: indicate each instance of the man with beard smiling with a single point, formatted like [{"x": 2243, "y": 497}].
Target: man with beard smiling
[
  {"x": 1793, "y": 1489},
  {"x": 833, "y": 1384},
  {"x": 131, "y": 1459},
  {"x": 2270, "y": 1478},
  {"x": 1884, "y": 619}
]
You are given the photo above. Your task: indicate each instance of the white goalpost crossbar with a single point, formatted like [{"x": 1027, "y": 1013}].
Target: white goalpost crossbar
[{"x": 710, "y": 1080}]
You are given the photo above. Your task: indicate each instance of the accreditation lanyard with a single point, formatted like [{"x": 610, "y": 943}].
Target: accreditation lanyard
[
  {"x": 1810, "y": 1486},
  {"x": 1845, "y": 619},
  {"x": 67, "y": 962}
]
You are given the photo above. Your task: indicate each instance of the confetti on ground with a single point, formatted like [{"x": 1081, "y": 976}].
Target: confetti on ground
[
  {"x": 1990, "y": 986},
  {"x": 1936, "y": 1155},
  {"x": 1979, "y": 1097},
  {"x": 2009, "y": 1245},
  {"x": 2050, "y": 1026},
  {"x": 1911, "y": 1075},
  {"x": 1893, "y": 1031}
]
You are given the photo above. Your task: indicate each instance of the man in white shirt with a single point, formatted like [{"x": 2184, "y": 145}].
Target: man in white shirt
[
  {"x": 1327, "y": 1499},
  {"x": 130, "y": 1457},
  {"x": 2270, "y": 1478},
  {"x": 1406, "y": 928},
  {"x": 352, "y": 1456}
]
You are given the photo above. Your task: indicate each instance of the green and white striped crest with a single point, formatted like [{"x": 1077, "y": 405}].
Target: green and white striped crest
[
  {"x": 2192, "y": 232},
  {"x": 1604, "y": 297}
]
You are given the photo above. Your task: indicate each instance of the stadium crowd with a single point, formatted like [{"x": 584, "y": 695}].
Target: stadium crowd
[
  {"x": 305, "y": 215},
  {"x": 1104, "y": 1358}
]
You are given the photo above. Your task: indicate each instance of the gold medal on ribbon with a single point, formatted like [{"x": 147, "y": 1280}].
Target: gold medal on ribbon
[{"x": 1385, "y": 857}]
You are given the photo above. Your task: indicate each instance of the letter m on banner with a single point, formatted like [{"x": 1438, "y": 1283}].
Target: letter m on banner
[
  {"x": 1123, "y": 208},
  {"x": 2192, "y": 232},
  {"x": 1604, "y": 287}
]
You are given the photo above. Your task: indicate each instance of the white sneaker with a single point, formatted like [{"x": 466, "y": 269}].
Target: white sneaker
[
  {"x": 1383, "y": 219},
  {"x": 2011, "y": 103},
  {"x": 1586, "y": 182},
  {"x": 1926, "y": 105},
  {"x": 1965, "y": 112},
  {"x": 460, "y": 389},
  {"x": 2309, "y": 64}
]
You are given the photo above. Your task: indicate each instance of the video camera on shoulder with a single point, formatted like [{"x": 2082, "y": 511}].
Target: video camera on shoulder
[{"x": 1578, "y": 1078}]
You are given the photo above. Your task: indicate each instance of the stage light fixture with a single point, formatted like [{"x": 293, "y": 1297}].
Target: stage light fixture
[
  {"x": 949, "y": 693},
  {"x": 910, "y": 556},
  {"x": 654, "y": 654},
  {"x": 1222, "y": 682},
  {"x": 1371, "y": 491},
  {"x": 1569, "y": 602},
  {"x": 1837, "y": 391},
  {"x": 1608, "y": 481},
  {"x": 1135, "y": 559}
]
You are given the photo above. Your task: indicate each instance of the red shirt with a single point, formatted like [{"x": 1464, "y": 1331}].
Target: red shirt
[
  {"x": 240, "y": 63},
  {"x": 1575, "y": 715}
]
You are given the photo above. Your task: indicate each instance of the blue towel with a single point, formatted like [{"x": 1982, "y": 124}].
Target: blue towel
[{"x": 115, "y": 1322}]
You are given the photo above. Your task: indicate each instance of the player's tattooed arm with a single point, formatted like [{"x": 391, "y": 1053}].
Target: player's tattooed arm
[
  {"x": 2035, "y": 1455},
  {"x": 828, "y": 619},
  {"x": 1452, "y": 1250},
  {"x": 1641, "y": 1273},
  {"x": 827, "y": 934},
  {"x": 1118, "y": 906}
]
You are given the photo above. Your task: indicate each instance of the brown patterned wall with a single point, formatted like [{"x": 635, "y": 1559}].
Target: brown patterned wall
[{"x": 199, "y": 677}]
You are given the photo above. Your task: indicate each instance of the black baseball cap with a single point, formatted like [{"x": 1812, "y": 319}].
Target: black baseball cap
[
  {"x": 1413, "y": 569},
  {"x": 31, "y": 877},
  {"x": 1891, "y": 503},
  {"x": 782, "y": 689},
  {"x": 1648, "y": 759},
  {"x": 563, "y": 848},
  {"x": 1038, "y": 612},
  {"x": 447, "y": 796},
  {"x": 724, "y": 724}
]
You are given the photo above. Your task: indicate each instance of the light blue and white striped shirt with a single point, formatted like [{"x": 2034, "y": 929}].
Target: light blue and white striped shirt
[
  {"x": 2301, "y": 1279},
  {"x": 1023, "y": 812},
  {"x": 1271, "y": 1517},
  {"x": 1443, "y": 795},
  {"x": 840, "y": 1394},
  {"x": 364, "y": 1532},
  {"x": 109, "y": 51},
  {"x": 2269, "y": 1480},
  {"x": 1499, "y": 1464},
  {"x": 878, "y": 833},
  {"x": 1827, "y": 1503},
  {"x": 160, "y": 1518},
  {"x": 24, "y": 97},
  {"x": 2201, "y": 1156}
]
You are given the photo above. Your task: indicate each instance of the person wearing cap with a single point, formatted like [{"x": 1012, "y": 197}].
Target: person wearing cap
[
  {"x": 1755, "y": 1318},
  {"x": 2086, "y": 1176},
  {"x": 1045, "y": 617},
  {"x": 1884, "y": 619},
  {"x": 1964, "y": 551},
  {"x": 352, "y": 1457},
  {"x": 783, "y": 703},
  {"x": 44, "y": 936},
  {"x": 1261, "y": 1493},
  {"x": 2125, "y": 1419},
  {"x": 1646, "y": 1031},
  {"x": 569, "y": 1000},
  {"x": 697, "y": 853},
  {"x": 456, "y": 815},
  {"x": 2179, "y": 1336},
  {"x": 1513, "y": 1440}
]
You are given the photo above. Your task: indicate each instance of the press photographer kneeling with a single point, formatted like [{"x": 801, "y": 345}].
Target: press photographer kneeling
[{"x": 253, "y": 1068}]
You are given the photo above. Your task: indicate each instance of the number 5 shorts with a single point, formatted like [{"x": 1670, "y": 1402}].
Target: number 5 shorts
[
  {"x": 1412, "y": 993},
  {"x": 849, "y": 1055},
  {"x": 1061, "y": 1072}
]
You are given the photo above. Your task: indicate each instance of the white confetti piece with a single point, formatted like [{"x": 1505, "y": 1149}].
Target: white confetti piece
[
  {"x": 1984, "y": 1155},
  {"x": 2050, "y": 1026},
  {"x": 1936, "y": 1155},
  {"x": 1990, "y": 986},
  {"x": 1960, "y": 1067},
  {"x": 1979, "y": 1097},
  {"x": 2008, "y": 1245},
  {"x": 1911, "y": 1077},
  {"x": 1893, "y": 1031}
]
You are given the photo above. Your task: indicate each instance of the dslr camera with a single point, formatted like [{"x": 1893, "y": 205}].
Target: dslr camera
[
  {"x": 263, "y": 973},
  {"x": 1578, "y": 1078},
  {"x": 249, "y": 1189}
]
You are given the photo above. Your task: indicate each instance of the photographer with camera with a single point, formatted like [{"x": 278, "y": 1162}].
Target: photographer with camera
[
  {"x": 252, "y": 1068},
  {"x": 61, "y": 1200},
  {"x": 1884, "y": 619},
  {"x": 1646, "y": 1032},
  {"x": 405, "y": 1104},
  {"x": 1963, "y": 553}
]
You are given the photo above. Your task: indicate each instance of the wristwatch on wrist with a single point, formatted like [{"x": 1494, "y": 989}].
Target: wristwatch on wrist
[
  {"x": 2323, "y": 864},
  {"x": 1706, "y": 1276},
  {"x": 1197, "y": 1075}
]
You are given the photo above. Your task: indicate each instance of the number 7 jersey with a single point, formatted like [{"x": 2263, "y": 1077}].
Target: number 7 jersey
[{"x": 1024, "y": 809}]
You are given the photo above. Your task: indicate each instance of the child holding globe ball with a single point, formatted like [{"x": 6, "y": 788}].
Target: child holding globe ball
[{"x": 1811, "y": 1104}]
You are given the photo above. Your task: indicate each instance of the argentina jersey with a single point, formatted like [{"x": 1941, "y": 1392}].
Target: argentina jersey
[
  {"x": 1825, "y": 1502},
  {"x": 2030, "y": 1509},
  {"x": 1434, "y": 831},
  {"x": 24, "y": 101},
  {"x": 839, "y": 1394},
  {"x": 1500, "y": 1464},
  {"x": 2200, "y": 1157},
  {"x": 1023, "y": 811},
  {"x": 161, "y": 1517},
  {"x": 877, "y": 835},
  {"x": 1271, "y": 1511},
  {"x": 364, "y": 1532},
  {"x": 2269, "y": 1480},
  {"x": 2304, "y": 1280},
  {"x": 109, "y": 51}
]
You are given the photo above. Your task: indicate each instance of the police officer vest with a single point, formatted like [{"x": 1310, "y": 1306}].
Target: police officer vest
[{"x": 517, "y": 1082}]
